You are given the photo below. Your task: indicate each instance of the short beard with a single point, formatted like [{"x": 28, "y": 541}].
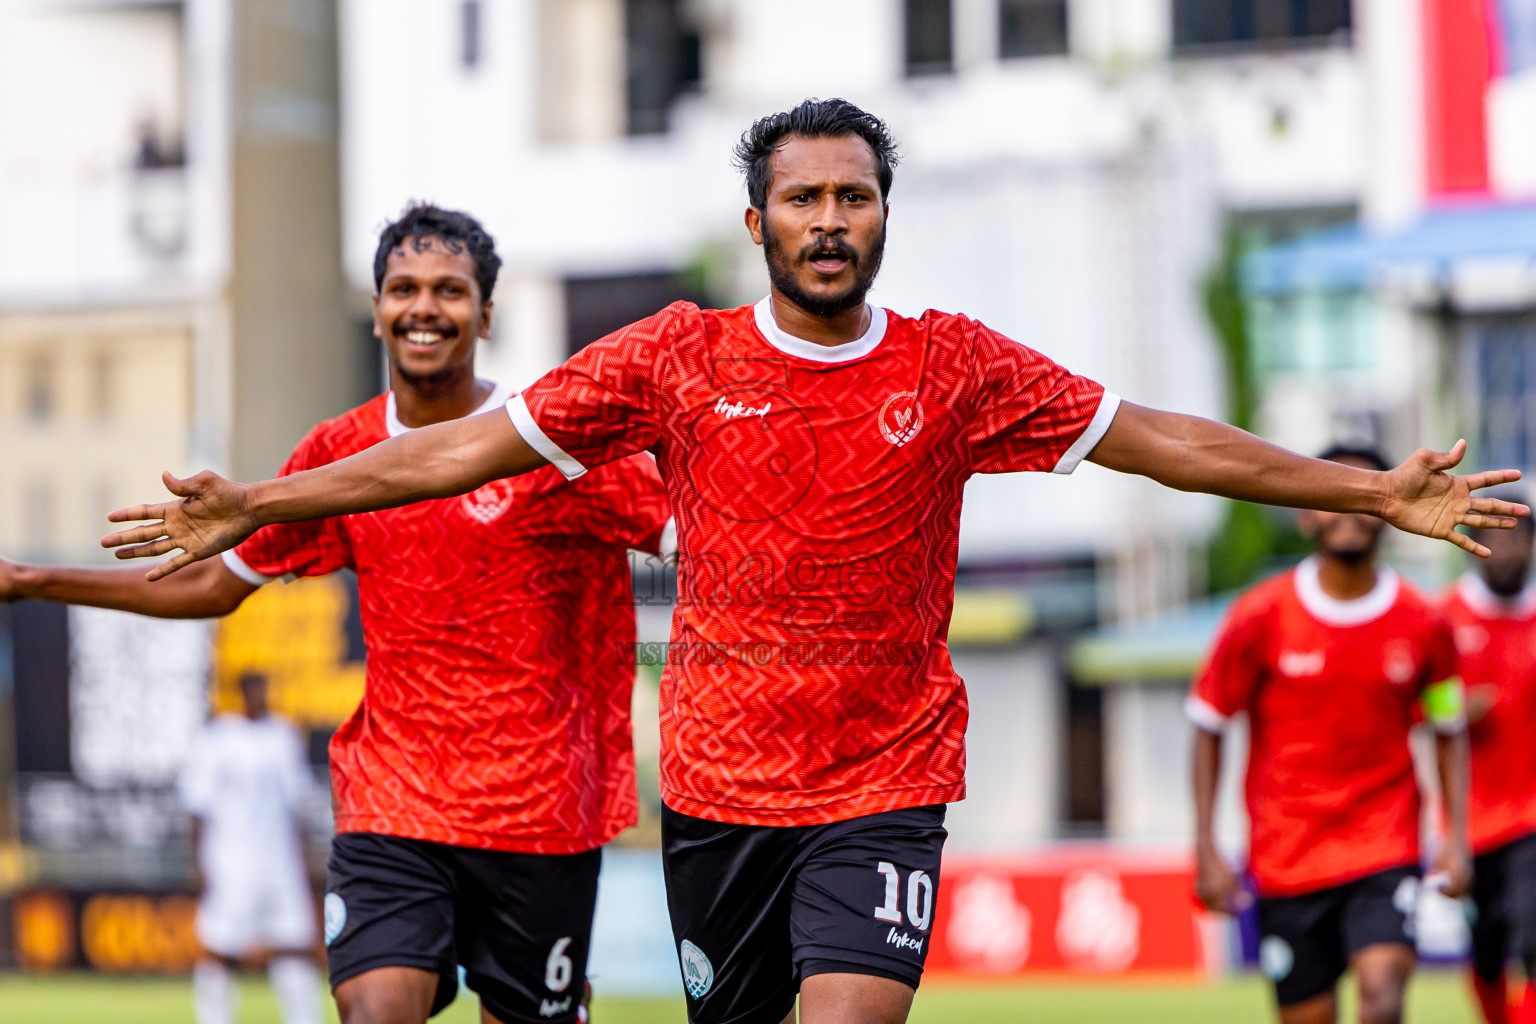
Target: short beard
[
  {"x": 430, "y": 381},
  {"x": 1353, "y": 558},
  {"x": 781, "y": 272},
  {"x": 1505, "y": 584}
]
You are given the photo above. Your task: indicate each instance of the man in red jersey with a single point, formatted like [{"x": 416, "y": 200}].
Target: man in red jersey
[
  {"x": 1492, "y": 613},
  {"x": 815, "y": 451},
  {"x": 491, "y": 756},
  {"x": 1334, "y": 662}
]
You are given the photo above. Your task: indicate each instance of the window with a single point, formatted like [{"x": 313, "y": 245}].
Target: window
[
  {"x": 469, "y": 34},
  {"x": 930, "y": 50},
  {"x": 597, "y": 306},
  {"x": 1500, "y": 389},
  {"x": 662, "y": 61},
  {"x": 1031, "y": 28},
  {"x": 1198, "y": 23}
]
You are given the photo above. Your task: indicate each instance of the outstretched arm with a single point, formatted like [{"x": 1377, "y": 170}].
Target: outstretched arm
[
  {"x": 1193, "y": 454},
  {"x": 214, "y": 514},
  {"x": 205, "y": 591}
]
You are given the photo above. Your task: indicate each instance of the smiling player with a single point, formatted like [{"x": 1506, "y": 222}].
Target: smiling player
[
  {"x": 813, "y": 727},
  {"x": 491, "y": 755}
]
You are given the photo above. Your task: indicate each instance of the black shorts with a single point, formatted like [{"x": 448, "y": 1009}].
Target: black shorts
[
  {"x": 1503, "y": 906},
  {"x": 520, "y": 923},
  {"x": 755, "y": 909},
  {"x": 1308, "y": 940}
]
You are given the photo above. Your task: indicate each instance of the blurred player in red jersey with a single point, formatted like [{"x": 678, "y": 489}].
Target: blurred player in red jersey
[
  {"x": 1334, "y": 662},
  {"x": 491, "y": 755},
  {"x": 815, "y": 450},
  {"x": 1492, "y": 612}
]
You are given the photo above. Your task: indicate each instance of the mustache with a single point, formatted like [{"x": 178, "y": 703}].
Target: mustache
[
  {"x": 829, "y": 247},
  {"x": 443, "y": 327}
]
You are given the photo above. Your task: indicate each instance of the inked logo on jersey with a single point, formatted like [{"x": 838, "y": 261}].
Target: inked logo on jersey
[
  {"x": 698, "y": 972},
  {"x": 1471, "y": 639},
  {"x": 730, "y": 410},
  {"x": 335, "y": 916},
  {"x": 1301, "y": 663},
  {"x": 901, "y": 417},
  {"x": 490, "y": 502}
]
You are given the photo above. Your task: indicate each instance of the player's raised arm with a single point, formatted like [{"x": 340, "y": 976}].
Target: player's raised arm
[
  {"x": 212, "y": 514},
  {"x": 1193, "y": 454}
]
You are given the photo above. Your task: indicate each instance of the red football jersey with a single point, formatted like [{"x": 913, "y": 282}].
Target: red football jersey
[
  {"x": 817, "y": 494},
  {"x": 1496, "y": 647},
  {"x": 1331, "y": 689},
  {"x": 496, "y": 712}
]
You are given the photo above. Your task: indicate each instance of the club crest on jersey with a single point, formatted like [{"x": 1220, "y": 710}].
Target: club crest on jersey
[
  {"x": 490, "y": 502},
  {"x": 901, "y": 417},
  {"x": 1397, "y": 662},
  {"x": 698, "y": 972},
  {"x": 335, "y": 916}
]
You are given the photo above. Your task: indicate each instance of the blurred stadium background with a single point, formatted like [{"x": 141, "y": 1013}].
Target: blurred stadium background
[{"x": 1313, "y": 218}]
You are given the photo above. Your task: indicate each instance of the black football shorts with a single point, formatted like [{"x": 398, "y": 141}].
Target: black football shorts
[
  {"x": 519, "y": 923},
  {"x": 756, "y": 909},
  {"x": 1503, "y": 906},
  {"x": 1308, "y": 940}
]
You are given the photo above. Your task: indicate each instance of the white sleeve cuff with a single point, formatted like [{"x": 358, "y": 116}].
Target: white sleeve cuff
[
  {"x": 1091, "y": 435},
  {"x": 235, "y": 564},
  {"x": 1204, "y": 716},
  {"x": 522, "y": 420}
]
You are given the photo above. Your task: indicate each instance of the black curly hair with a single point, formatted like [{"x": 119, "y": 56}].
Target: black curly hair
[{"x": 422, "y": 222}]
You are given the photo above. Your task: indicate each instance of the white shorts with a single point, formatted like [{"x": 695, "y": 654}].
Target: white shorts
[{"x": 239, "y": 916}]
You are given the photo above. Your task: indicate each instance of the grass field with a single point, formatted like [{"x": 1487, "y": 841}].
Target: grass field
[{"x": 1436, "y": 997}]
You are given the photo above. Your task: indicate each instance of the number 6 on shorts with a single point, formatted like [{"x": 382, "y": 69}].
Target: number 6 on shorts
[{"x": 558, "y": 969}]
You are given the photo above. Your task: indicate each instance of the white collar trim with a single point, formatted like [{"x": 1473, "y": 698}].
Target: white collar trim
[
  {"x": 791, "y": 345},
  {"x": 1367, "y": 608},
  {"x": 499, "y": 397},
  {"x": 1474, "y": 591}
]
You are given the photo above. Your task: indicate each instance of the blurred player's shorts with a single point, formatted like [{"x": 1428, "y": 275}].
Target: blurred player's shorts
[{"x": 240, "y": 917}]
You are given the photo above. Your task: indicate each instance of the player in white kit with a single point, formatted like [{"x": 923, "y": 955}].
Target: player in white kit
[{"x": 245, "y": 784}]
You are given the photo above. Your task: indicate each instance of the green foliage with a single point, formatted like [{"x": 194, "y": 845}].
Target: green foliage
[{"x": 1250, "y": 538}]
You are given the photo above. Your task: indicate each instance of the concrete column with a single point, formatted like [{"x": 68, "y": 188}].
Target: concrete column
[
  {"x": 1389, "y": 40},
  {"x": 298, "y": 357}
]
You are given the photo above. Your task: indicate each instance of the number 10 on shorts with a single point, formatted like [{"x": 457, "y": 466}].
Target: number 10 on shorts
[{"x": 919, "y": 897}]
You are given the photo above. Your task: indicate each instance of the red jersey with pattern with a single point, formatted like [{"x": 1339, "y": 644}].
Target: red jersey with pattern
[
  {"x": 1496, "y": 651},
  {"x": 1331, "y": 689},
  {"x": 817, "y": 494},
  {"x": 498, "y": 625}
]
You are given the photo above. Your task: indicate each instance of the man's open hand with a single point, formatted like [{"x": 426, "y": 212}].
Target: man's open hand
[
  {"x": 211, "y": 515},
  {"x": 1423, "y": 497}
]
